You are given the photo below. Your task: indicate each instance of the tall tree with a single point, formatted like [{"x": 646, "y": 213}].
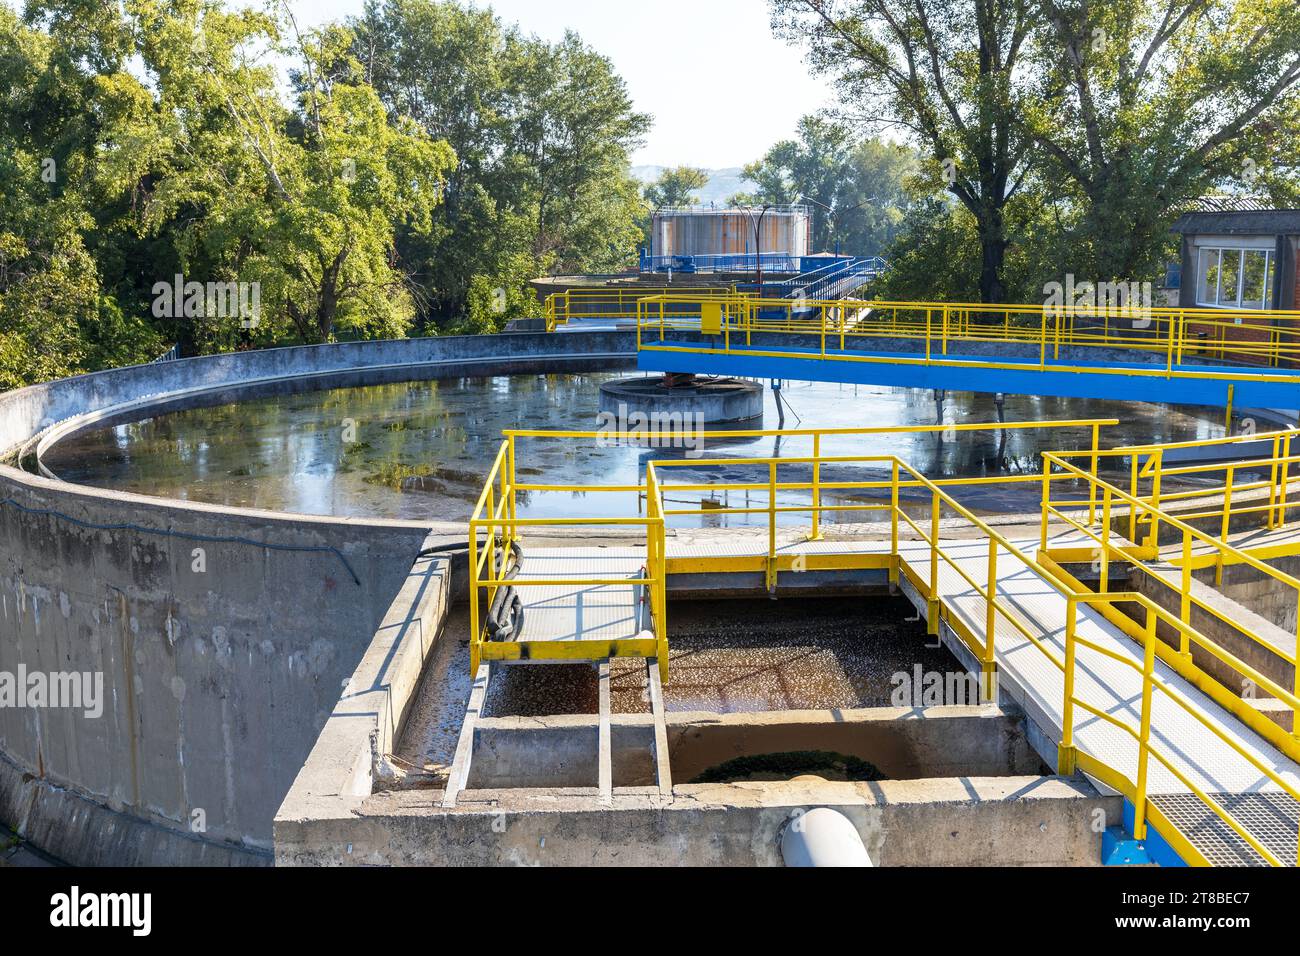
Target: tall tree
[
  {"x": 66, "y": 103},
  {"x": 1154, "y": 103},
  {"x": 304, "y": 199},
  {"x": 951, "y": 74},
  {"x": 543, "y": 133}
]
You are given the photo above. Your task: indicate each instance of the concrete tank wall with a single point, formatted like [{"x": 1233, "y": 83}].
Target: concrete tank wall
[{"x": 216, "y": 682}]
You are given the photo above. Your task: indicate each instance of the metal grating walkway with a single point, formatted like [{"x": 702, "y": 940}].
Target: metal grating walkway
[
  {"x": 1272, "y": 818},
  {"x": 581, "y": 612},
  {"x": 1104, "y": 683}
]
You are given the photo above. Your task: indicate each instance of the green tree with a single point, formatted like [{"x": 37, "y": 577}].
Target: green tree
[
  {"x": 302, "y": 200},
  {"x": 951, "y": 75},
  {"x": 676, "y": 188},
  {"x": 543, "y": 133},
  {"x": 1159, "y": 104},
  {"x": 59, "y": 136}
]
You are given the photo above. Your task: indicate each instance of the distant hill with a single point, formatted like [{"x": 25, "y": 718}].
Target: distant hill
[{"x": 723, "y": 183}]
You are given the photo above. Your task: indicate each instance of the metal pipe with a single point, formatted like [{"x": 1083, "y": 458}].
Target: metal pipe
[{"x": 823, "y": 837}]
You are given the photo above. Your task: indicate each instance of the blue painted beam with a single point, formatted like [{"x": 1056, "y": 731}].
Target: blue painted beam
[{"x": 1053, "y": 381}]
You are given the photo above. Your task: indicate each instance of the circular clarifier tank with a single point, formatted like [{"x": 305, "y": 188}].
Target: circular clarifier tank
[
  {"x": 420, "y": 450},
  {"x": 660, "y": 402}
]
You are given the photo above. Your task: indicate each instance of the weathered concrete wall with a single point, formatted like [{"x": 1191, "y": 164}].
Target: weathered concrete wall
[
  {"x": 217, "y": 682},
  {"x": 971, "y": 821},
  {"x": 353, "y": 748}
]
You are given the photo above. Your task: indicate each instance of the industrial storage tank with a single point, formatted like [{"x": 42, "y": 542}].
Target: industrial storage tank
[{"x": 703, "y": 231}]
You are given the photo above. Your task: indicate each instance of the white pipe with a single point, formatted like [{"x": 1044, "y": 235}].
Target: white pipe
[{"x": 823, "y": 837}]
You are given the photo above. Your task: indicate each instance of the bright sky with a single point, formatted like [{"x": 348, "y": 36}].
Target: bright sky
[{"x": 680, "y": 58}]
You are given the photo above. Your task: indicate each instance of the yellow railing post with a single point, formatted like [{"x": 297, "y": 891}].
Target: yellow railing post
[
  {"x": 1272, "y": 483},
  {"x": 661, "y": 588},
  {"x": 1169, "y": 349},
  {"x": 1185, "y": 604},
  {"x": 1144, "y": 733},
  {"x": 1133, "y": 493},
  {"x": 1066, "y": 762},
  {"x": 1227, "y": 523},
  {"x": 1158, "y": 458},
  {"x": 492, "y": 544},
  {"x": 927, "y": 336},
  {"x": 822, "y": 310},
  {"x": 1047, "y": 501},
  {"x": 893, "y": 525},
  {"x": 1092, "y": 485},
  {"x": 771, "y": 526},
  {"x": 474, "y": 637},
  {"x": 945, "y": 330},
  {"x": 990, "y": 622},
  {"x": 1286, "y": 481},
  {"x": 1105, "y": 542},
  {"x": 1042, "y": 340},
  {"x": 514, "y": 494},
  {"x": 817, "y": 489},
  {"x": 932, "y": 602}
]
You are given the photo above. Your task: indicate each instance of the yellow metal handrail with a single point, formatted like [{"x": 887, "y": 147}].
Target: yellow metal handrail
[
  {"x": 1278, "y": 463},
  {"x": 496, "y": 511},
  {"x": 1270, "y": 339},
  {"x": 1181, "y": 657},
  {"x": 997, "y": 608},
  {"x": 561, "y": 308}
]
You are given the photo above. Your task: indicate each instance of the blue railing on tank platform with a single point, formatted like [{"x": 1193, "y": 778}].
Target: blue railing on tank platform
[
  {"x": 740, "y": 262},
  {"x": 837, "y": 280}
]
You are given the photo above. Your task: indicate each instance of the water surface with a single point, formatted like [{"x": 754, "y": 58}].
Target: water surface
[{"x": 419, "y": 450}]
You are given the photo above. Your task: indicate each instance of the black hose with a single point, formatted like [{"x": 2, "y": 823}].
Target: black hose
[{"x": 505, "y": 618}]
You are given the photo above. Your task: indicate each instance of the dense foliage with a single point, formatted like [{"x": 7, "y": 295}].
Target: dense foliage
[
  {"x": 1061, "y": 136},
  {"x": 186, "y": 171}
]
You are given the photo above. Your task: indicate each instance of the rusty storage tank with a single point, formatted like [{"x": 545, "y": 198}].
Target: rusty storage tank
[{"x": 784, "y": 230}]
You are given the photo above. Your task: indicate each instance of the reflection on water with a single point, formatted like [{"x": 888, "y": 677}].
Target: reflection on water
[{"x": 420, "y": 450}]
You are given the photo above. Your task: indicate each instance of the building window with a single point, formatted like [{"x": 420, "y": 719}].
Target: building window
[{"x": 1230, "y": 278}]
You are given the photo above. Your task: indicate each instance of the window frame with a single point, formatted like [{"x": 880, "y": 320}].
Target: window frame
[{"x": 1216, "y": 249}]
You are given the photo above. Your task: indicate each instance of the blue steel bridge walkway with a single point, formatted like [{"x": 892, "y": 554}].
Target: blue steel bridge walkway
[{"x": 1179, "y": 356}]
